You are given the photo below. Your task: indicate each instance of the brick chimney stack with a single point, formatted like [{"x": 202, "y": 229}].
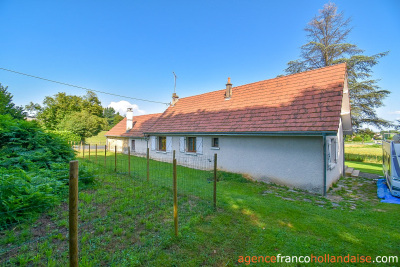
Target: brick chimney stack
[
  {"x": 228, "y": 92},
  {"x": 175, "y": 99},
  {"x": 129, "y": 119}
]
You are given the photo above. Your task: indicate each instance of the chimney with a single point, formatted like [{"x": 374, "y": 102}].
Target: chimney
[
  {"x": 175, "y": 98},
  {"x": 129, "y": 119},
  {"x": 228, "y": 92}
]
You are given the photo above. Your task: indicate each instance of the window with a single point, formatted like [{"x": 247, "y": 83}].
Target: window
[
  {"x": 162, "y": 143},
  {"x": 133, "y": 145},
  {"x": 332, "y": 152},
  {"x": 215, "y": 142},
  {"x": 191, "y": 144}
]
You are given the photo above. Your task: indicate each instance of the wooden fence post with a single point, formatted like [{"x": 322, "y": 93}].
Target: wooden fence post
[
  {"x": 175, "y": 198},
  {"x": 83, "y": 150},
  {"x": 73, "y": 212},
  {"x": 96, "y": 154},
  {"x": 129, "y": 161},
  {"x": 148, "y": 164},
  {"x": 89, "y": 151},
  {"x": 115, "y": 158},
  {"x": 105, "y": 156},
  {"x": 215, "y": 181}
]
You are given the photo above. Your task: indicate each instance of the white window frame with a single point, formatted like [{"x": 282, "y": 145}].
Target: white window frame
[
  {"x": 332, "y": 151},
  {"x": 212, "y": 143},
  {"x": 158, "y": 144},
  {"x": 183, "y": 145}
]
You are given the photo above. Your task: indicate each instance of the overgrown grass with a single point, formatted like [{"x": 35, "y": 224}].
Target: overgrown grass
[
  {"x": 126, "y": 221},
  {"x": 363, "y": 153},
  {"x": 98, "y": 139}
]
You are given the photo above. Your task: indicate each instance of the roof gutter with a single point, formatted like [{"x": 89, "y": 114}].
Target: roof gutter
[
  {"x": 124, "y": 136},
  {"x": 293, "y": 133}
]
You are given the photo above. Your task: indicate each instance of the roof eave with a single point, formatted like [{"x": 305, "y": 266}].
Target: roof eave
[
  {"x": 281, "y": 133},
  {"x": 124, "y": 136}
]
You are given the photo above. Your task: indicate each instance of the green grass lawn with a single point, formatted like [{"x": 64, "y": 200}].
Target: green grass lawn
[
  {"x": 126, "y": 221},
  {"x": 98, "y": 139},
  {"x": 375, "y": 168}
]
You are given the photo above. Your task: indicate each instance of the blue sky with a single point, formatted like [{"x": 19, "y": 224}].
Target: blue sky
[{"x": 131, "y": 47}]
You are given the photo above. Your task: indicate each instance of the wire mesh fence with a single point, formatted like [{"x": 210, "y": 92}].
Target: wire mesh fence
[{"x": 127, "y": 202}]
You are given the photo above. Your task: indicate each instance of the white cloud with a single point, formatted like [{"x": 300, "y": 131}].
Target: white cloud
[
  {"x": 394, "y": 112},
  {"x": 123, "y": 105}
]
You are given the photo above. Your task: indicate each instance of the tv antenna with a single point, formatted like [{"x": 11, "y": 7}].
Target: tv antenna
[{"x": 174, "y": 81}]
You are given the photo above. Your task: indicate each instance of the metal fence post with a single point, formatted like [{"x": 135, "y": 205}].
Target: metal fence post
[
  {"x": 73, "y": 212},
  {"x": 215, "y": 181},
  {"x": 148, "y": 164},
  {"x": 175, "y": 198}
]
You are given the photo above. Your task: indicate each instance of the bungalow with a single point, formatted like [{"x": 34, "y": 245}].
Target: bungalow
[{"x": 287, "y": 130}]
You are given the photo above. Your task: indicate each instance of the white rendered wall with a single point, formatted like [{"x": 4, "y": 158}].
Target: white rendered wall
[
  {"x": 293, "y": 161},
  {"x": 140, "y": 146}
]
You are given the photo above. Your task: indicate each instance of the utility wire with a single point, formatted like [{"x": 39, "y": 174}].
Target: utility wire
[{"x": 84, "y": 88}]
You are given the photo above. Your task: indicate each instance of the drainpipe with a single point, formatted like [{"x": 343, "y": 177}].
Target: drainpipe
[
  {"x": 344, "y": 159},
  {"x": 324, "y": 151}
]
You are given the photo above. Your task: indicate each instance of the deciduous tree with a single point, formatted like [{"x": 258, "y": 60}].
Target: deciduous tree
[
  {"x": 56, "y": 108},
  {"x": 82, "y": 123}
]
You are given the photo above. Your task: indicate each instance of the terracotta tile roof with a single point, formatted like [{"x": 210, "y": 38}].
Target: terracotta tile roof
[
  {"x": 141, "y": 124},
  {"x": 307, "y": 101}
]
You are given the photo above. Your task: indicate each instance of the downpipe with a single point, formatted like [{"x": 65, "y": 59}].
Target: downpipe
[{"x": 324, "y": 151}]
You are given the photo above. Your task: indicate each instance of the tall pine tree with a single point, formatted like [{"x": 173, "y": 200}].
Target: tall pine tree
[{"x": 327, "y": 34}]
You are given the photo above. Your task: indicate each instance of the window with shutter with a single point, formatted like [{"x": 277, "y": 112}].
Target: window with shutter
[
  {"x": 162, "y": 143},
  {"x": 191, "y": 144}
]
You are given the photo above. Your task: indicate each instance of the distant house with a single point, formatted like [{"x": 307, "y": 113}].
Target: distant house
[
  {"x": 288, "y": 130},
  {"x": 130, "y": 132}
]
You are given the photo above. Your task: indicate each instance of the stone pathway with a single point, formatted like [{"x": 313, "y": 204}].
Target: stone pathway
[{"x": 348, "y": 193}]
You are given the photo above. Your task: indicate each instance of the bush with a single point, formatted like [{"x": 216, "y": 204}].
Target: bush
[
  {"x": 67, "y": 136},
  {"x": 33, "y": 169},
  {"x": 357, "y": 138},
  {"x": 24, "y": 145}
]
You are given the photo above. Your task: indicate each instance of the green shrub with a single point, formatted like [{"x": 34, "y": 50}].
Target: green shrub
[
  {"x": 33, "y": 169},
  {"x": 25, "y": 193},
  {"x": 357, "y": 138},
  {"x": 67, "y": 135}
]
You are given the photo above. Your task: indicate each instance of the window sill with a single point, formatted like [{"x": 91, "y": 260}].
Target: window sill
[
  {"x": 162, "y": 152},
  {"x": 191, "y": 153},
  {"x": 215, "y": 148}
]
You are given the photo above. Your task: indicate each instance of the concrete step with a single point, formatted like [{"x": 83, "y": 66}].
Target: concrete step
[
  {"x": 355, "y": 173},
  {"x": 349, "y": 171}
]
